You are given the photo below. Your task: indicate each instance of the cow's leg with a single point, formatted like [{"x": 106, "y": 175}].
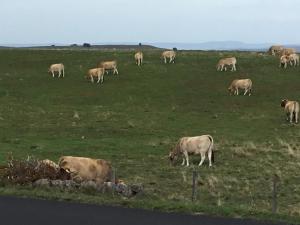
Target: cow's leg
[
  {"x": 98, "y": 79},
  {"x": 246, "y": 90},
  {"x": 296, "y": 117},
  {"x": 52, "y": 74},
  {"x": 287, "y": 116},
  {"x": 291, "y": 117},
  {"x": 165, "y": 58},
  {"x": 92, "y": 79},
  {"x": 63, "y": 72},
  {"x": 202, "y": 159},
  {"x": 250, "y": 90},
  {"x": 209, "y": 157},
  {"x": 186, "y": 158},
  {"x": 183, "y": 161}
]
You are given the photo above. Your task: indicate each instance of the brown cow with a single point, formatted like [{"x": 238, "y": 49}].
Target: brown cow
[{"x": 86, "y": 169}]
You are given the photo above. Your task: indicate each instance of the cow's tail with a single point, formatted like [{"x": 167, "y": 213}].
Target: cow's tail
[{"x": 210, "y": 148}]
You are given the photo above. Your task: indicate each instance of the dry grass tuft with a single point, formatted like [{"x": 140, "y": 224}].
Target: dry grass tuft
[{"x": 29, "y": 170}]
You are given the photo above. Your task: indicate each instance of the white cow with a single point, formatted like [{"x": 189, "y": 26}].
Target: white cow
[
  {"x": 57, "y": 68},
  {"x": 169, "y": 55},
  {"x": 138, "y": 58},
  {"x": 245, "y": 84},
  {"x": 198, "y": 145}
]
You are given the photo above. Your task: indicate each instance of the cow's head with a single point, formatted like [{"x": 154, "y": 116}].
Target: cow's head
[
  {"x": 173, "y": 155},
  {"x": 283, "y": 102},
  {"x": 230, "y": 90}
]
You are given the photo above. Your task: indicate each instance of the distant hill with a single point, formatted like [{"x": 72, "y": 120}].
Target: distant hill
[
  {"x": 221, "y": 45},
  {"x": 77, "y": 46},
  {"x": 205, "y": 46}
]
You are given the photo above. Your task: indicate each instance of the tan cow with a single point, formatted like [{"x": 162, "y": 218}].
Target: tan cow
[
  {"x": 288, "y": 51},
  {"x": 294, "y": 59},
  {"x": 171, "y": 55},
  {"x": 291, "y": 109},
  {"x": 96, "y": 73},
  {"x": 284, "y": 60},
  {"x": 245, "y": 84},
  {"x": 138, "y": 58},
  {"x": 275, "y": 50},
  {"x": 198, "y": 145},
  {"x": 226, "y": 62},
  {"x": 86, "y": 169},
  {"x": 57, "y": 68},
  {"x": 109, "y": 65}
]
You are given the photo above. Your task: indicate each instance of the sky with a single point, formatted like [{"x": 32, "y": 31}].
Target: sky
[{"x": 149, "y": 21}]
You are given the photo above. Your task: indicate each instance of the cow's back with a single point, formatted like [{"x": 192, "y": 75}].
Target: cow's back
[{"x": 196, "y": 144}]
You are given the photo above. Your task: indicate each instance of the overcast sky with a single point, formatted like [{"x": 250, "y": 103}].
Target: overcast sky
[{"x": 189, "y": 21}]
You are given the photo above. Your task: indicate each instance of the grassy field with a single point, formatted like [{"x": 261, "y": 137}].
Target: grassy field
[{"x": 134, "y": 118}]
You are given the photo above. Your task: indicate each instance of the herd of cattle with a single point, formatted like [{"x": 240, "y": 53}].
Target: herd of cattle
[{"x": 100, "y": 170}]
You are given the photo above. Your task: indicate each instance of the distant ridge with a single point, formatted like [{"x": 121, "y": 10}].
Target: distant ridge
[{"x": 205, "y": 46}]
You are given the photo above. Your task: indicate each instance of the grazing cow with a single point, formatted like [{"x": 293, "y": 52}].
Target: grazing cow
[
  {"x": 275, "y": 50},
  {"x": 168, "y": 55},
  {"x": 57, "y": 68},
  {"x": 86, "y": 169},
  {"x": 283, "y": 62},
  {"x": 288, "y": 51},
  {"x": 245, "y": 84},
  {"x": 138, "y": 58},
  {"x": 291, "y": 109},
  {"x": 226, "y": 62},
  {"x": 109, "y": 65},
  {"x": 294, "y": 59},
  {"x": 96, "y": 73},
  {"x": 199, "y": 145}
]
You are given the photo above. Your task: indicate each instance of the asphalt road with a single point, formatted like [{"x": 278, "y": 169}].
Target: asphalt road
[{"x": 21, "y": 211}]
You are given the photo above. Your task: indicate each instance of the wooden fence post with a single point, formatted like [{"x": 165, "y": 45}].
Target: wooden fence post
[{"x": 194, "y": 187}]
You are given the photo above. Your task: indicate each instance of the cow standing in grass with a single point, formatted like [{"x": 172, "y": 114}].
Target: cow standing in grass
[
  {"x": 97, "y": 73},
  {"x": 294, "y": 59},
  {"x": 227, "y": 62},
  {"x": 86, "y": 169},
  {"x": 109, "y": 65},
  {"x": 291, "y": 109},
  {"x": 171, "y": 55},
  {"x": 245, "y": 84},
  {"x": 138, "y": 58},
  {"x": 199, "y": 145},
  {"x": 57, "y": 68},
  {"x": 288, "y": 51},
  {"x": 275, "y": 50}
]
